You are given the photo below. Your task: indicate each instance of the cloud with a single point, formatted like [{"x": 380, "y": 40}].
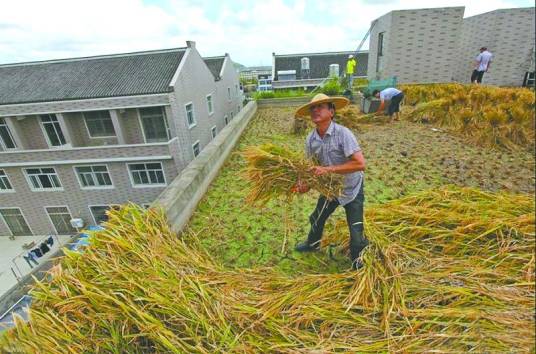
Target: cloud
[{"x": 249, "y": 30}]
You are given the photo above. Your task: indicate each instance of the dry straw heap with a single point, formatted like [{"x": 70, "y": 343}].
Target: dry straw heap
[
  {"x": 488, "y": 116},
  {"x": 350, "y": 116},
  {"x": 449, "y": 270},
  {"x": 274, "y": 170}
]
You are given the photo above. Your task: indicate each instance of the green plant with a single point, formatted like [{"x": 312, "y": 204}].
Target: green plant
[{"x": 332, "y": 87}]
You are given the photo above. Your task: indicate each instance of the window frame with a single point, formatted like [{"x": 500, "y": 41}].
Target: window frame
[
  {"x": 210, "y": 105},
  {"x": 226, "y": 119},
  {"x": 3, "y": 174},
  {"x": 166, "y": 125},
  {"x": 229, "y": 99},
  {"x": 87, "y": 127},
  {"x": 2, "y": 142},
  {"x": 50, "y": 219},
  {"x": 198, "y": 146},
  {"x": 53, "y": 123},
  {"x": 41, "y": 189},
  {"x": 92, "y": 172},
  {"x": 21, "y": 213},
  {"x": 99, "y": 205},
  {"x": 190, "y": 126},
  {"x": 213, "y": 131},
  {"x": 151, "y": 185}
]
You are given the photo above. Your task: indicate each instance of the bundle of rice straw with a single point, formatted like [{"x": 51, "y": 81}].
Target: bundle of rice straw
[
  {"x": 274, "y": 170},
  {"x": 447, "y": 271}
]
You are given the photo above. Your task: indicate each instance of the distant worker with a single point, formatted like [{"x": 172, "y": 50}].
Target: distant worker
[
  {"x": 394, "y": 97},
  {"x": 350, "y": 70},
  {"x": 482, "y": 63}
]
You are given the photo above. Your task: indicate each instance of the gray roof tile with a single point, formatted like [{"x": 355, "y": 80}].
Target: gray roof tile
[
  {"x": 214, "y": 65},
  {"x": 91, "y": 77}
]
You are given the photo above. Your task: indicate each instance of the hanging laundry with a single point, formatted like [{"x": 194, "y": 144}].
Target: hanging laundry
[
  {"x": 37, "y": 252},
  {"x": 50, "y": 241},
  {"x": 44, "y": 248},
  {"x": 30, "y": 258}
]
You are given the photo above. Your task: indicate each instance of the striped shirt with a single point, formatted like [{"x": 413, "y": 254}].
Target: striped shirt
[{"x": 338, "y": 144}]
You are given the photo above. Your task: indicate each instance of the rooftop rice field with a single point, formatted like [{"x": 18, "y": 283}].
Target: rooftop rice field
[
  {"x": 450, "y": 267},
  {"x": 402, "y": 158}
]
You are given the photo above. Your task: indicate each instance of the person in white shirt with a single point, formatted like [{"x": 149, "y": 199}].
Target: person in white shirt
[
  {"x": 482, "y": 63},
  {"x": 394, "y": 97}
]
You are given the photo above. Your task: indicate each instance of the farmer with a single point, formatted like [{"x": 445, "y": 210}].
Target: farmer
[
  {"x": 337, "y": 150},
  {"x": 482, "y": 63},
  {"x": 392, "y": 95},
  {"x": 350, "y": 70}
]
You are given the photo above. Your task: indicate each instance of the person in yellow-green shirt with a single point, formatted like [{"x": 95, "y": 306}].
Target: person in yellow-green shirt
[{"x": 350, "y": 70}]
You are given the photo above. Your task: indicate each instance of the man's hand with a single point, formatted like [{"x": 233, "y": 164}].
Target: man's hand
[
  {"x": 321, "y": 170},
  {"x": 300, "y": 187}
]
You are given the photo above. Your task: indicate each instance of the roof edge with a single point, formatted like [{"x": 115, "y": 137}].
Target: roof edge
[
  {"x": 105, "y": 56},
  {"x": 320, "y": 53}
]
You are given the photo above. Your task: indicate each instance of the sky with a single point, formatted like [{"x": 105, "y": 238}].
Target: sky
[{"x": 249, "y": 30}]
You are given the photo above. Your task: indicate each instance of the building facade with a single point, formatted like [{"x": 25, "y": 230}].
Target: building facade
[
  {"x": 308, "y": 70},
  {"x": 439, "y": 45},
  {"x": 78, "y": 136},
  {"x": 415, "y": 45},
  {"x": 252, "y": 72},
  {"x": 509, "y": 35}
]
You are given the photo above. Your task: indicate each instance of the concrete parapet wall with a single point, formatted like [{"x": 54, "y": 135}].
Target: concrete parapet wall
[
  {"x": 292, "y": 101},
  {"x": 181, "y": 196}
]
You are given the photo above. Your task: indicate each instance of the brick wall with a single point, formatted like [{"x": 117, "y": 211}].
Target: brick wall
[
  {"x": 78, "y": 200},
  {"x": 508, "y": 34},
  {"x": 419, "y": 45}
]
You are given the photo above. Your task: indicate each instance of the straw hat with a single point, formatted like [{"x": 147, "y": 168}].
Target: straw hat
[{"x": 339, "y": 102}]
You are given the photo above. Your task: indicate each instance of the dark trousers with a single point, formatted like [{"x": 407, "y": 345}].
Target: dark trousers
[
  {"x": 394, "y": 106},
  {"x": 477, "y": 76},
  {"x": 354, "y": 218}
]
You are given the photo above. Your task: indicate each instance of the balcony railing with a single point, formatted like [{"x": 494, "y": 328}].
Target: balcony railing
[{"x": 92, "y": 154}]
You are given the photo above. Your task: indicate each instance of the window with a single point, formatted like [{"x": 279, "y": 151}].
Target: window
[
  {"x": 195, "y": 148},
  {"x": 190, "y": 114},
  {"x": 5, "y": 185},
  {"x": 237, "y": 109},
  {"x": 15, "y": 222},
  {"x": 380, "y": 44},
  {"x": 213, "y": 132},
  {"x": 154, "y": 124},
  {"x": 43, "y": 179},
  {"x": 228, "y": 93},
  {"x": 209, "y": 104},
  {"x": 52, "y": 129},
  {"x": 96, "y": 176},
  {"x": 379, "y": 58},
  {"x": 226, "y": 119},
  {"x": 6, "y": 139},
  {"x": 236, "y": 90},
  {"x": 61, "y": 219},
  {"x": 232, "y": 115},
  {"x": 143, "y": 174},
  {"x": 99, "y": 124},
  {"x": 99, "y": 212}
]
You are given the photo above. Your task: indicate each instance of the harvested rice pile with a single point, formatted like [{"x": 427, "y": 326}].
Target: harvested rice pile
[
  {"x": 350, "y": 116},
  {"x": 274, "y": 170},
  {"x": 488, "y": 116},
  {"x": 451, "y": 270}
]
